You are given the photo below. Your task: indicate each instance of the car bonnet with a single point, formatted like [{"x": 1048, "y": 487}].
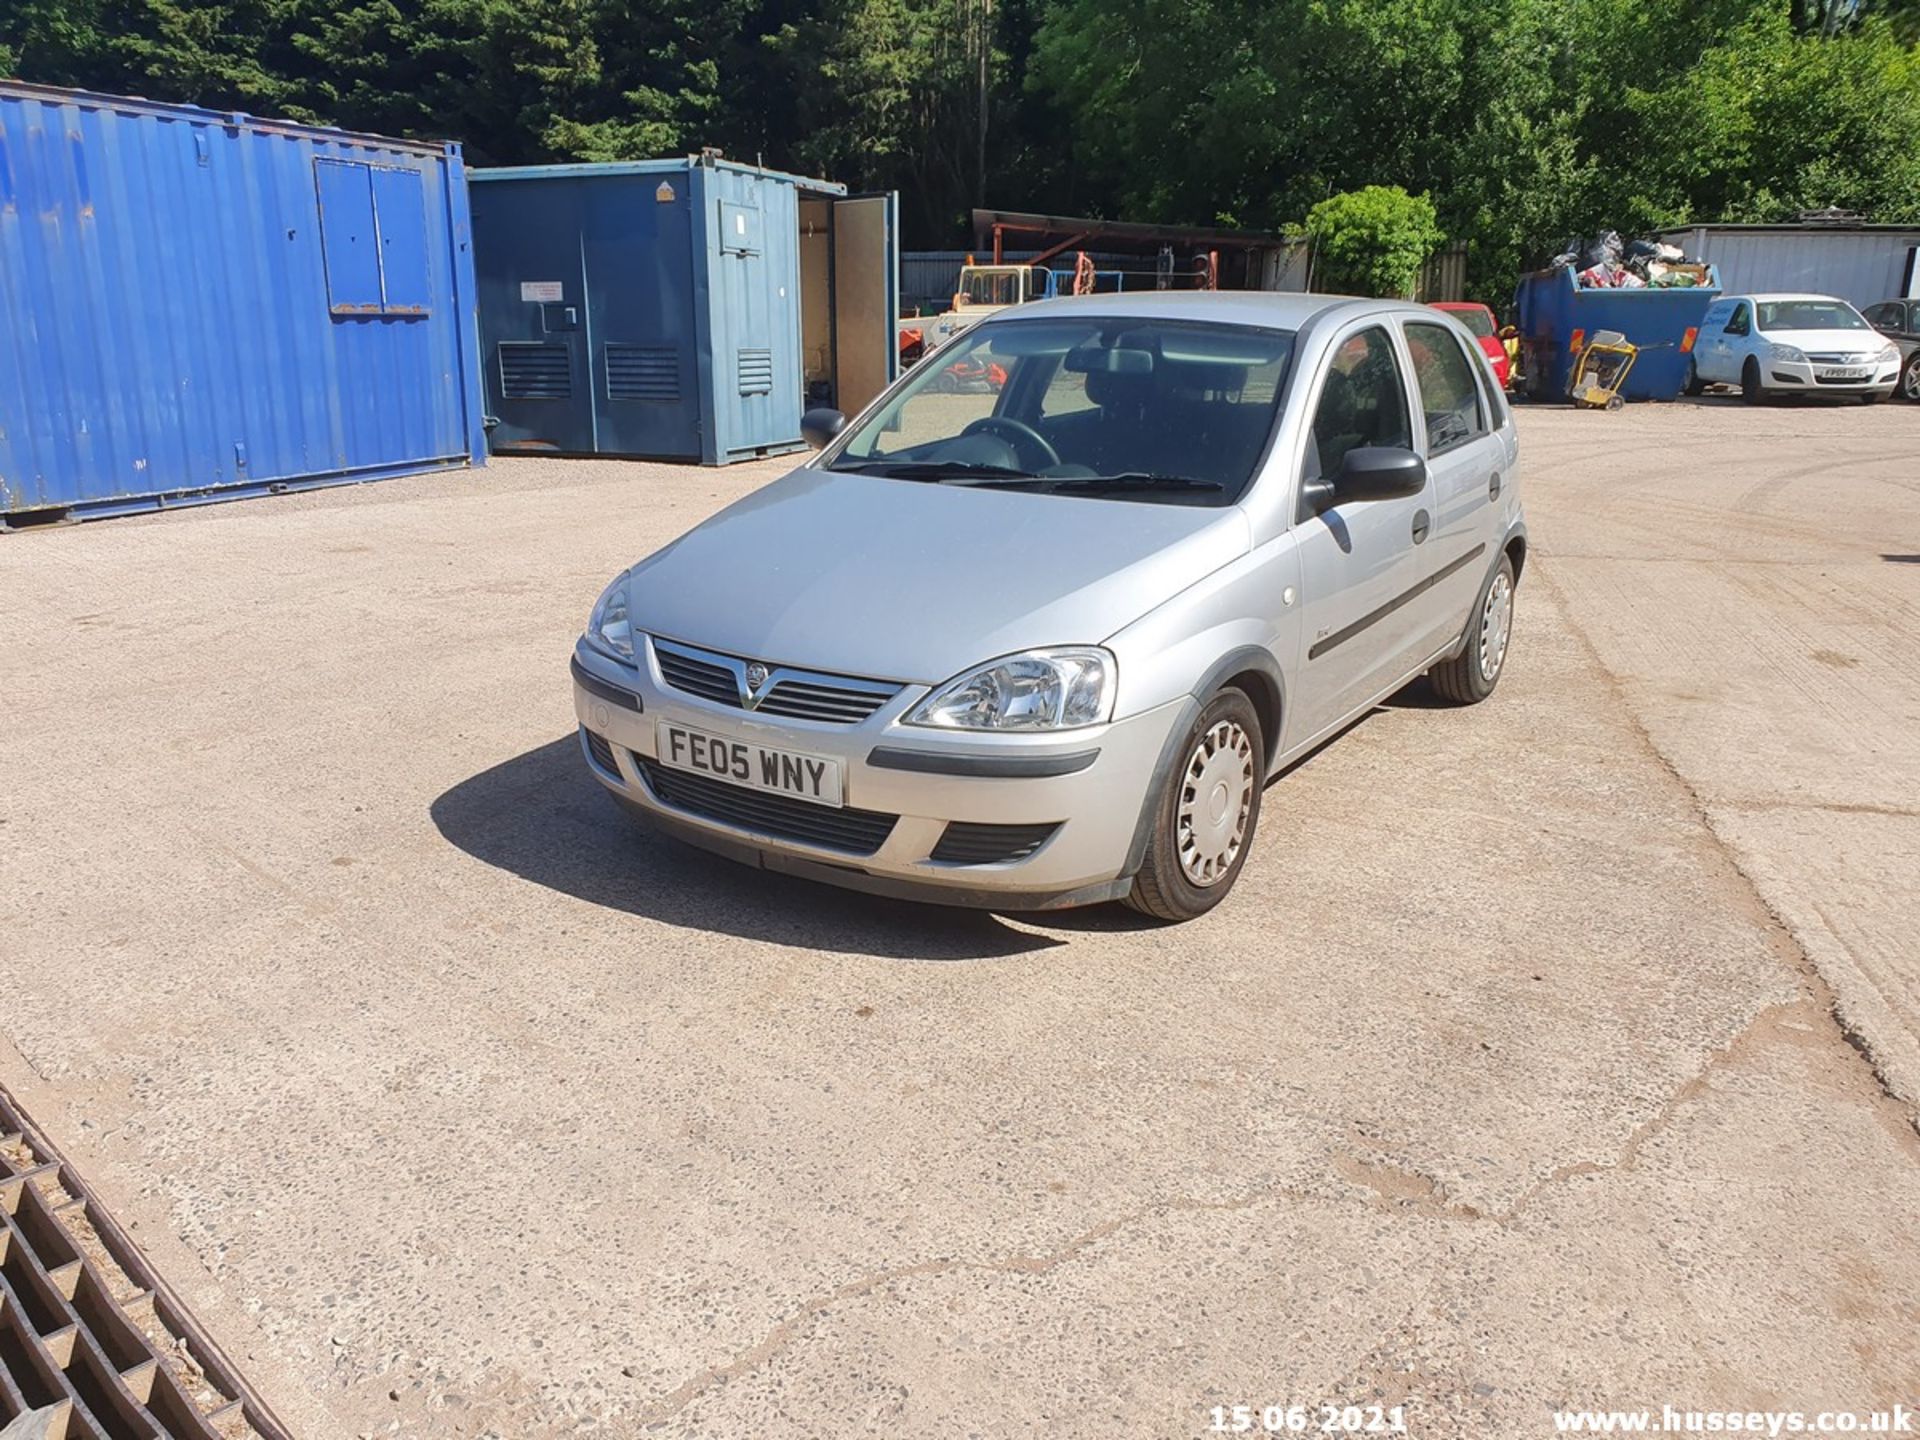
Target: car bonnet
[{"x": 912, "y": 581}]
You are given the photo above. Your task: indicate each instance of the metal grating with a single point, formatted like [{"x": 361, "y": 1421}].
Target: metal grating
[
  {"x": 965, "y": 842},
  {"x": 93, "y": 1345},
  {"x": 530, "y": 370},
  {"x": 852, "y": 832},
  {"x": 643, "y": 372},
  {"x": 794, "y": 695},
  {"x": 756, "y": 372}
]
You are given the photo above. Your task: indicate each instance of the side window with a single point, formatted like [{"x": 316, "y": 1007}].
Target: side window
[
  {"x": 1066, "y": 394},
  {"x": 1448, "y": 396},
  {"x": 1883, "y": 317},
  {"x": 1741, "y": 322},
  {"x": 373, "y": 238},
  {"x": 1363, "y": 402}
]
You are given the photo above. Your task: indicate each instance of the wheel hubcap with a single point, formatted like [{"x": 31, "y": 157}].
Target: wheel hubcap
[
  {"x": 1216, "y": 799},
  {"x": 1496, "y": 623},
  {"x": 1910, "y": 382}
]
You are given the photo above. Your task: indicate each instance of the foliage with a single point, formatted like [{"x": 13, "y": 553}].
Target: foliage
[
  {"x": 1524, "y": 120},
  {"x": 1372, "y": 241}
]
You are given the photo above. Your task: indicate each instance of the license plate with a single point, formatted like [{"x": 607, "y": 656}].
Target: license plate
[
  {"x": 1847, "y": 372},
  {"x": 815, "y": 778}
]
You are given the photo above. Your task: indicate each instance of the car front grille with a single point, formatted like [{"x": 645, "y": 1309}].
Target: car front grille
[
  {"x": 965, "y": 842},
  {"x": 851, "y": 832},
  {"x": 1866, "y": 358},
  {"x": 794, "y": 694}
]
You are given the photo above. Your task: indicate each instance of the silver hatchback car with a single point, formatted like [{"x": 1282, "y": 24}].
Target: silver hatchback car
[{"x": 1038, "y": 626}]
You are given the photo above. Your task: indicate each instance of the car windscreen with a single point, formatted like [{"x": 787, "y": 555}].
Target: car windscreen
[
  {"x": 1478, "y": 321},
  {"x": 1107, "y": 407},
  {"x": 1809, "y": 315}
]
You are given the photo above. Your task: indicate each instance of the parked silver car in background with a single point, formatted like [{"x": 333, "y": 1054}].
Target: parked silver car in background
[
  {"x": 1899, "y": 321},
  {"x": 1036, "y": 629}
]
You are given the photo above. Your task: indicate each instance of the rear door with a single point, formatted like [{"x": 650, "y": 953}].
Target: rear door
[
  {"x": 1464, "y": 439},
  {"x": 866, "y": 298},
  {"x": 1360, "y": 563}
]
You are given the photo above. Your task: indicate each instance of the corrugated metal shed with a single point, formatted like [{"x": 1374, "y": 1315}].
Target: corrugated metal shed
[
  {"x": 1862, "y": 264},
  {"x": 687, "y": 309},
  {"x": 196, "y": 306}
]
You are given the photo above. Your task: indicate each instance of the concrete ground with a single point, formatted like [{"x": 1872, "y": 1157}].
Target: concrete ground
[{"x": 1509, "y": 1079}]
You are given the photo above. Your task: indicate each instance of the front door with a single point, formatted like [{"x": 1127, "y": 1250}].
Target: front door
[
  {"x": 1360, "y": 561},
  {"x": 1465, "y": 459},
  {"x": 866, "y": 298}
]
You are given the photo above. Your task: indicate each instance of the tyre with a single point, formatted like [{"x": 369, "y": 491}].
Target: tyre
[
  {"x": 1751, "y": 390},
  {"x": 1469, "y": 677},
  {"x": 1874, "y": 397},
  {"x": 1206, "y": 814},
  {"x": 1695, "y": 385},
  {"x": 1910, "y": 377}
]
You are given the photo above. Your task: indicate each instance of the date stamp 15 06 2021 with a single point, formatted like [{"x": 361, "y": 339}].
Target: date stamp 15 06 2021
[{"x": 1321, "y": 1419}]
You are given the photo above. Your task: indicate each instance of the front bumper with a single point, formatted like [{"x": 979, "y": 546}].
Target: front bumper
[
  {"x": 1805, "y": 377},
  {"x": 1090, "y": 786}
]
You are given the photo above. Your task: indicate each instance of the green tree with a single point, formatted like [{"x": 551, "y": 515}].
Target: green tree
[{"x": 1372, "y": 241}]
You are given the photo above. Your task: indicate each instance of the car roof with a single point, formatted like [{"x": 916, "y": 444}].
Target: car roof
[
  {"x": 1277, "y": 310},
  {"x": 1786, "y": 295}
]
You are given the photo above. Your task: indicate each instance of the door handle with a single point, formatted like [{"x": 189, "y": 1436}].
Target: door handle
[
  {"x": 1422, "y": 522},
  {"x": 1493, "y": 486}
]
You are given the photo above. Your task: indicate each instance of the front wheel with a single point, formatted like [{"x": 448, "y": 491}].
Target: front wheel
[
  {"x": 1206, "y": 813},
  {"x": 1469, "y": 677},
  {"x": 1910, "y": 378},
  {"x": 1751, "y": 389}
]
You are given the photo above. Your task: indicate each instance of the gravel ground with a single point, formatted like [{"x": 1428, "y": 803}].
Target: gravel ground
[{"x": 1516, "y": 1074}]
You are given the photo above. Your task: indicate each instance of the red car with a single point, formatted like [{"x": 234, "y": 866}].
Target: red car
[{"x": 1479, "y": 319}]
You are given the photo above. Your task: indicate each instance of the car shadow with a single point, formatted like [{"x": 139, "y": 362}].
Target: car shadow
[{"x": 540, "y": 816}]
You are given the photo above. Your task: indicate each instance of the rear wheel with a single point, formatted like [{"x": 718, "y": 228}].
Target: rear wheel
[
  {"x": 1206, "y": 813},
  {"x": 1469, "y": 677},
  {"x": 1910, "y": 377},
  {"x": 1751, "y": 390},
  {"x": 1695, "y": 385}
]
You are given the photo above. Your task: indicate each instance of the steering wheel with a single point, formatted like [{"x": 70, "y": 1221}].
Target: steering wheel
[{"x": 1015, "y": 433}]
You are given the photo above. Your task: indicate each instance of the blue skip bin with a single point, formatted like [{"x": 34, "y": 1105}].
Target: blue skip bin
[{"x": 1557, "y": 318}]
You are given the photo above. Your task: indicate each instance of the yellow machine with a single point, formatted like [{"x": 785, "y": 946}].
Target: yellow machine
[{"x": 1602, "y": 370}]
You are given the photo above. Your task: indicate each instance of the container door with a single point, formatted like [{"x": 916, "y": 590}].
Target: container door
[
  {"x": 533, "y": 314},
  {"x": 866, "y": 297},
  {"x": 636, "y": 246}
]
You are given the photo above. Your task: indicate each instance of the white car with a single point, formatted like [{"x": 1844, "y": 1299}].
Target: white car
[{"x": 1772, "y": 345}]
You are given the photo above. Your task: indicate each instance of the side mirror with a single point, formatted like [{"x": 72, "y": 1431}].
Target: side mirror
[
  {"x": 1372, "y": 472},
  {"x": 820, "y": 425}
]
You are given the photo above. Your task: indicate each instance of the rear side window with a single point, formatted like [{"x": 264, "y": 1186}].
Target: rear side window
[
  {"x": 1362, "y": 402},
  {"x": 1449, "y": 396}
]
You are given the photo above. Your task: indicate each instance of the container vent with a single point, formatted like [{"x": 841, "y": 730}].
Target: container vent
[
  {"x": 756, "y": 372},
  {"x": 643, "y": 372},
  {"x": 532, "y": 371}
]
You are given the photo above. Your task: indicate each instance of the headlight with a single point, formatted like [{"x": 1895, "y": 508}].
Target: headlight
[
  {"x": 1792, "y": 354},
  {"x": 608, "y": 627},
  {"x": 1038, "y": 690},
  {"x": 1890, "y": 354}
]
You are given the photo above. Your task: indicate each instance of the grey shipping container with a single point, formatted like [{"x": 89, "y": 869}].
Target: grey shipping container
[
  {"x": 1862, "y": 264},
  {"x": 197, "y": 305},
  {"x": 678, "y": 309}
]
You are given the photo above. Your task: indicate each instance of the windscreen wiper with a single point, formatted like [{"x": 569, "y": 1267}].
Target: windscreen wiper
[
  {"x": 1134, "y": 480},
  {"x": 970, "y": 472}
]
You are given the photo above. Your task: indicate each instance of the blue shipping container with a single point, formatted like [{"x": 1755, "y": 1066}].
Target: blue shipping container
[
  {"x": 679, "y": 309},
  {"x": 1556, "y": 318},
  {"x": 196, "y": 306}
]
